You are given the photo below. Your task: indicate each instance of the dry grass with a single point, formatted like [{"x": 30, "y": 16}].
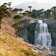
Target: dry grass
[{"x": 10, "y": 47}]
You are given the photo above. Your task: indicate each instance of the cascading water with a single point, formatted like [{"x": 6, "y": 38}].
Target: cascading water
[{"x": 42, "y": 36}]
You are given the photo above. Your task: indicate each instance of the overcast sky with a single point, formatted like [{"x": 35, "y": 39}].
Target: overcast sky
[{"x": 17, "y": 2}]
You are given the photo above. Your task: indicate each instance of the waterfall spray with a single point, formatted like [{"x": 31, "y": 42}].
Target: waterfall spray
[{"x": 42, "y": 36}]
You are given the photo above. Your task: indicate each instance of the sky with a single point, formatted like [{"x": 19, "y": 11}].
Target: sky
[{"x": 17, "y": 2}]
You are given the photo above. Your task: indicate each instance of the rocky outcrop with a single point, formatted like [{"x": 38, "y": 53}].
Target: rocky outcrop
[
  {"x": 27, "y": 29},
  {"x": 24, "y": 29},
  {"x": 31, "y": 31},
  {"x": 52, "y": 29},
  {"x": 42, "y": 50}
]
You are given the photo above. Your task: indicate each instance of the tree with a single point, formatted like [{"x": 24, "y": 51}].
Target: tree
[
  {"x": 34, "y": 15},
  {"x": 20, "y": 9},
  {"x": 49, "y": 12},
  {"x": 17, "y": 17},
  {"x": 54, "y": 11},
  {"x": 5, "y": 4},
  {"x": 27, "y": 12},
  {"x": 15, "y": 10},
  {"x": 30, "y": 10},
  {"x": 9, "y": 4},
  {"x": 30, "y": 7},
  {"x": 45, "y": 14},
  {"x": 38, "y": 13},
  {"x": 24, "y": 13},
  {"x": 30, "y": 13},
  {"x": 34, "y": 10},
  {"x": 3, "y": 13},
  {"x": 41, "y": 13}
]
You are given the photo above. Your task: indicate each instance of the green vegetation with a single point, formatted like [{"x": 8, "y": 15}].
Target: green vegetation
[
  {"x": 15, "y": 10},
  {"x": 42, "y": 14},
  {"x": 3, "y": 13},
  {"x": 20, "y": 9},
  {"x": 9, "y": 4},
  {"x": 54, "y": 11},
  {"x": 30, "y": 7},
  {"x": 17, "y": 17},
  {"x": 24, "y": 13},
  {"x": 30, "y": 11},
  {"x": 49, "y": 13},
  {"x": 9, "y": 46}
]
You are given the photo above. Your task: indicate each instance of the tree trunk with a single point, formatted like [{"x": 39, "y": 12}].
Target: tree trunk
[
  {"x": 0, "y": 22},
  {"x": 30, "y": 9},
  {"x": 30, "y": 12},
  {"x": 17, "y": 30}
]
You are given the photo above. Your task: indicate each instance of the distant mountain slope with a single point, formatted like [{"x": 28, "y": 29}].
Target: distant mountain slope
[{"x": 35, "y": 5}]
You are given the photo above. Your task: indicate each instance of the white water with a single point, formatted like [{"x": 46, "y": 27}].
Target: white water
[{"x": 42, "y": 36}]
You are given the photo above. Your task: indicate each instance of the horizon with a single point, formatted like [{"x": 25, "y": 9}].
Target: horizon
[
  {"x": 14, "y": 3},
  {"x": 45, "y": 6}
]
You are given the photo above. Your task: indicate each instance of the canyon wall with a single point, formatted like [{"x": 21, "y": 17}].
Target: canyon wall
[{"x": 27, "y": 29}]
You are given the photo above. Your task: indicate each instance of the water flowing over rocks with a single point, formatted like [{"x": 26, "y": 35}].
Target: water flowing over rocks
[
  {"x": 27, "y": 28},
  {"x": 42, "y": 36}
]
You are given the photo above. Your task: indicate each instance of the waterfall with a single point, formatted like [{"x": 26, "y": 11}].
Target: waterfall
[{"x": 42, "y": 36}]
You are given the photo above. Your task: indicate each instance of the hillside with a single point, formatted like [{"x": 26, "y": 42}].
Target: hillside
[{"x": 9, "y": 46}]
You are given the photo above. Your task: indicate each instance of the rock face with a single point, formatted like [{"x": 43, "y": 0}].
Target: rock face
[
  {"x": 52, "y": 29},
  {"x": 27, "y": 29},
  {"x": 31, "y": 30}
]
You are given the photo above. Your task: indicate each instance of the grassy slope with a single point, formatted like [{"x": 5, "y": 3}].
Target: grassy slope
[{"x": 10, "y": 47}]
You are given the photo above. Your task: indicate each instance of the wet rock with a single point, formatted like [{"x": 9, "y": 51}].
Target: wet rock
[{"x": 40, "y": 53}]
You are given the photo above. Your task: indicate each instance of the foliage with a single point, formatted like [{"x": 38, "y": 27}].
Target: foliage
[
  {"x": 20, "y": 9},
  {"x": 17, "y": 17},
  {"x": 24, "y": 13},
  {"x": 27, "y": 11},
  {"x": 30, "y": 7},
  {"x": 54, "y": 11},
  {"x": 3, "y": 13},
  {"x": 41, "y": 13},
  {"x": 34, "y": 15},
  {"x": 4, "y": 5},
  {"x": 15, "y": 10}
]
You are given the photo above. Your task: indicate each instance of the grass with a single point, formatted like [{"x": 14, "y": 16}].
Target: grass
[{"x": 10, "y": 47}]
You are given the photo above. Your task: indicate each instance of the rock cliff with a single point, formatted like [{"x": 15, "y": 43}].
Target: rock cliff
[
  {"x": 27, "y": 29},
  {"x": 52, "y": 29}
]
